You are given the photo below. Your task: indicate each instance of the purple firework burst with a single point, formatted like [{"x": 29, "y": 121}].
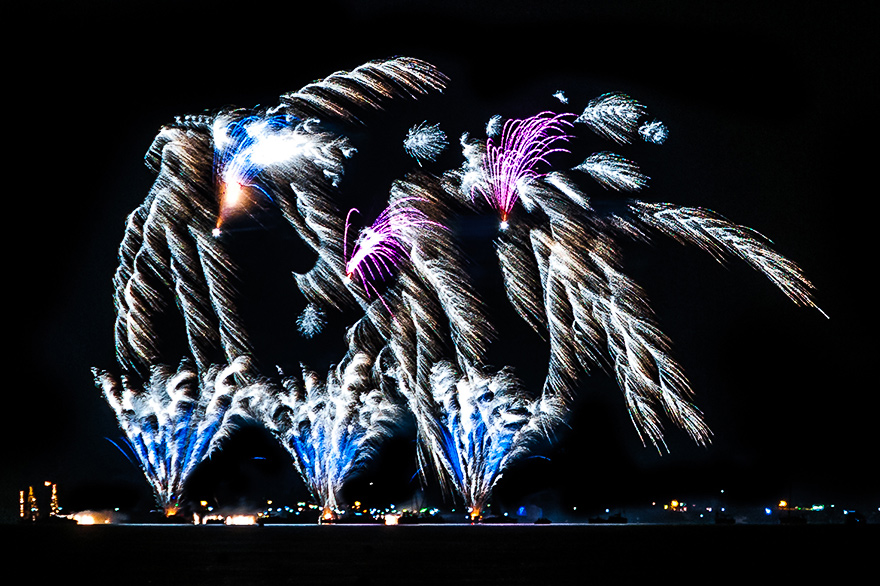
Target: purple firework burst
[
  {"x": 524, "y": 145},
  {"x": 381, "y": 247}
]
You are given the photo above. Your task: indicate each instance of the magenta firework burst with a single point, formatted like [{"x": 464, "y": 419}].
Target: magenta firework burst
[
  {"x": 383, "y": 245},
  {"x": 524, "y": 145}
]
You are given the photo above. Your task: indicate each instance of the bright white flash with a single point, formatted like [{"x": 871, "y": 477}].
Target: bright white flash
[{"x": 276, "y": 147}]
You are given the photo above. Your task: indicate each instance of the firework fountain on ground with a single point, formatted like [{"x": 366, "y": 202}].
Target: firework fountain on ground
[
  {"x": 331, "y": 428},
  {"x": 173, "y": 423},
  {"x": 418, "y": 348}
]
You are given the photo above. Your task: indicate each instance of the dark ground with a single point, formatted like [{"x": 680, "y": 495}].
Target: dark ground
[{"x": 450, "y": 554}]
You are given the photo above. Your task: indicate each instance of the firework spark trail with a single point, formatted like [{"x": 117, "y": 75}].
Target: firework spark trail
[
  {"x": 435, "y": 281},
  {"x": 127, "y": 252},
  {"x": 238, "y": 148},
  {"x": 367, "y": 87},
  {"x": 642, "y": 363},
  {"x": 342, "y": 96},
  {"x": 425, "y": 142},
  {"x": 721, "y": 238},
  {"x": 614, "y": 116},
  {"x": 176, "y": 260},
  {"x": 158, "y": 257},
  {"x": 614, "y": 171},
  {"x": 194, "y": 298},
  {"x": 173, "y": 423},
  {"x": 524, "y": 145},
  {"x": 589, "y": 310},
  {"x": 244, "y": 147}
]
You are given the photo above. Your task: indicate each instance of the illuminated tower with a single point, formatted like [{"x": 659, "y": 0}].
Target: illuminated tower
[
  {"x": 21, "y": 504},
  {"x": 54, "y": 509},
  {"x": 32, "y": 510}
]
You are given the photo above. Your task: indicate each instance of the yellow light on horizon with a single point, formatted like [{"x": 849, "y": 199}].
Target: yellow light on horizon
[{"x": 84, "y": 519}]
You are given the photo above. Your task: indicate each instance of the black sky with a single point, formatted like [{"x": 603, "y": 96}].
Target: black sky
[{"x": 771, "y": 112}]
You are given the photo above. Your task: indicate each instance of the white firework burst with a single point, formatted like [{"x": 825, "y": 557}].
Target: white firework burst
[
  {"x": 425, "y": 142},
  {"x": 311, "y": 321},
  {"x": 654, "y": 131}
]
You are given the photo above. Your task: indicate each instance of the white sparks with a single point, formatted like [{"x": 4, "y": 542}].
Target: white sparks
[
  {"x": 614, "y": 116},
  {"x": 614, "y": 171},
  {"x": 560, "y": 95},
  {"x": 311, "y": 321},
  {"x": 425, "y": 142},
  {"x": 654, "y": 131},
  {"x": 494, "y": 126}
]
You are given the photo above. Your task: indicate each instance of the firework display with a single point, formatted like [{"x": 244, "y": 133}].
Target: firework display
[{"x": 417, "y": 346}]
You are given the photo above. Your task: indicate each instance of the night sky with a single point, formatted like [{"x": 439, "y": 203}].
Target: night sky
[{"x": 771, "y": 112}]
